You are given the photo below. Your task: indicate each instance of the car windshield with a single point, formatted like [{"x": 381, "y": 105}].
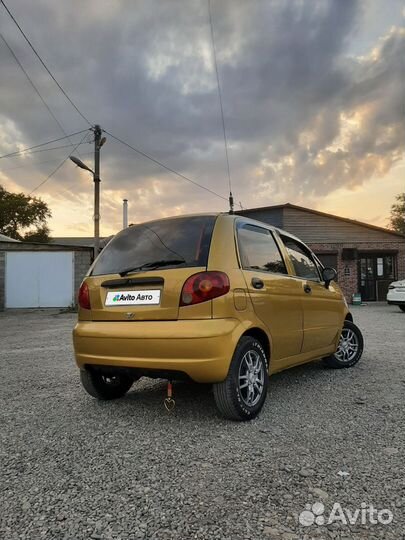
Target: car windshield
[{"x": 176, "y": 242}]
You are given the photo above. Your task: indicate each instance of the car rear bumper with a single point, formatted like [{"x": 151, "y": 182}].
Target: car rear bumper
[{"x": 202, "y": 349}]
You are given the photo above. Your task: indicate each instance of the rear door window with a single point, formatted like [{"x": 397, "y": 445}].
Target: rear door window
[
  {"x": 301, "y": 258},
  {"x": 258, "y": 249},
  {"x": 186, "y": 241}
]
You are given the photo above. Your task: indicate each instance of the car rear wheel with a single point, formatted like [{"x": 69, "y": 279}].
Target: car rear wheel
[
  {"x": 105, "y": 386},
  {"x": 402, "y": 308},
  {"x": 243, "y": 393},
  {"x": 350, "y": 347}
]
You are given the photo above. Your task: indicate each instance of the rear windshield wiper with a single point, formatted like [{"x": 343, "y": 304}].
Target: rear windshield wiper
[{"x": 152, "y": 265}]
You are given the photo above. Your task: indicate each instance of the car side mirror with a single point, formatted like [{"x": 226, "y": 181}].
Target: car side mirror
[{"x": 328, "y": 275}]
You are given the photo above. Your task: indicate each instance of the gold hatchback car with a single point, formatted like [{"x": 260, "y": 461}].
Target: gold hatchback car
[{"x": 214, "y": 298}]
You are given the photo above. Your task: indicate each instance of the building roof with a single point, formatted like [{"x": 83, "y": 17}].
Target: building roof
[
  {"x": 319, "y": 213},
  {"x": 4, "y": 238},
  {"x": 87, "y": 241},
  {"x": 38, "y": 246}
]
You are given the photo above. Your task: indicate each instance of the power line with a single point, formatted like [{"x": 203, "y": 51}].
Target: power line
[
  {"x": 220, "y": 97},
  {"x": 17, "y": 152},
  {"x": 32, "y": 84},
  {"x": 53, "y": 148},
  {"x": 44, "y": 65},
  {"x": 57, "y": 168},
  {"x": 35, "y": 163},
  {"x": 141, "y": 153},
  {"x": 35, "y": 87}
]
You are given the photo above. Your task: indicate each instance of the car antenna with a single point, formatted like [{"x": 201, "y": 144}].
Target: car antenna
[
  {"x": 214, "y": 54},
  {"x": 230, "y": 202}
]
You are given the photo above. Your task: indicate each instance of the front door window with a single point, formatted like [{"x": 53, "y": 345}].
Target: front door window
[{"x": 302, "y": 260}]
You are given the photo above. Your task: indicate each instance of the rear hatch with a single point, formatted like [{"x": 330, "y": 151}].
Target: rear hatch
[{"x": 141, "y": 272}]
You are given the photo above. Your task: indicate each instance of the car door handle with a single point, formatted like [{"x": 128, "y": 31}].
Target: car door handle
[
  {"x": 307, "y": 288},
  {"x": 257, "y": 283}
]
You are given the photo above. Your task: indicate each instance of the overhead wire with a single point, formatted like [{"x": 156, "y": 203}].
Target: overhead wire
[
  {"x": 57, "y": 168},
  {"x": 50, "y": 149},
  {"x": 138, "y": 151},
  {"x": 32, "y": 84},
  {"x": 35, "y": 163},
  {"x": 12, "y": 52},
  {"x": 43, "y": 64},
  {"x": 25, "y": 150},
  {"x": 184, "y": 177}
]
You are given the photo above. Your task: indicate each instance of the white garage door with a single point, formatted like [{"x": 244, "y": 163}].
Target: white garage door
[{"x": 39, "y": 279}]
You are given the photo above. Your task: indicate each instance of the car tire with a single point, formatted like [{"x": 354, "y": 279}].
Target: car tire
[
  {"x": 242, "y": 394},
  {"x": 402, "y": 308},
  {"x": 350, "y": 348},
  {"x": 105, "y": 386}
]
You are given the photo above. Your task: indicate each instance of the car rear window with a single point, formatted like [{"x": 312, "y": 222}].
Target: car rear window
[{"x": 187, "y": 239}]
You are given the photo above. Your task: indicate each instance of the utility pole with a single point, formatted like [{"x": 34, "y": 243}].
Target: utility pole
[
  {"x": 98, "y": 143},
  {"x": 96, "y": 177},
  {"x": 125, "y": 213}
]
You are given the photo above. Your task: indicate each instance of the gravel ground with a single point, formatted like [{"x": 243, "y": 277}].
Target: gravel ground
[{"x": 73, "y": 468}]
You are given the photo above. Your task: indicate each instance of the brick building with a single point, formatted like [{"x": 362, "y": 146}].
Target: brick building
[{"x": 367, "y": 258}]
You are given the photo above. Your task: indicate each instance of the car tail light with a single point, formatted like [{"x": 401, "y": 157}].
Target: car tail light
[
  {"x": 204, "y": 286},
  {"x": 84, "y": 296}
]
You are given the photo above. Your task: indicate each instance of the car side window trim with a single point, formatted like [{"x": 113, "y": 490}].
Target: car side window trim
[{"x": 319, "y": 265}]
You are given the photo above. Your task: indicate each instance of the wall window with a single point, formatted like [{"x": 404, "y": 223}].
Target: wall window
[
  {"x": 258, "y": 250},
  {"x": 389, "y": 271},
  {"x": 301, "y": 257}
]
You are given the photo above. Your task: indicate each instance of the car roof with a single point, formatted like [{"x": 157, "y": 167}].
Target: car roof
[
  {"x": 179, "y": 216},
  {"x": 225, "y": 215}
]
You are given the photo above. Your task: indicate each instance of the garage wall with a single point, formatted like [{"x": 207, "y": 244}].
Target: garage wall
[{"x": 82, "y": 264}]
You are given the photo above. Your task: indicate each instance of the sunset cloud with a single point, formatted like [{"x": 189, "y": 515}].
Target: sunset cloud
[{"x": 313, "y": 101}]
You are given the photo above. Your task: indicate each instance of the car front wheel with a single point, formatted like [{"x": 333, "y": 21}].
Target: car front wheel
[
  {"x": 243, "y": 393},
  {"x": 350, "y": 347},
  {"x": 105, "y": 386}
]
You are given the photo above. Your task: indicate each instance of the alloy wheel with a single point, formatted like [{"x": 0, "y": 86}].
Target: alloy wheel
[
  {"x": 251, "y": 378},
  {"x": 348, "y": 346}
]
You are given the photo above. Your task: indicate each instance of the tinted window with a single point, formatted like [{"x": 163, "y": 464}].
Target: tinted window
[
  {"x": 180, "y": 239},
  {"x": 304, "y": 265},
  {"x": 258, "y": 250}
]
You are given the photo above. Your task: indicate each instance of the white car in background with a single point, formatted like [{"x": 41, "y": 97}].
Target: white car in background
[{"x": 396, "y": 294}]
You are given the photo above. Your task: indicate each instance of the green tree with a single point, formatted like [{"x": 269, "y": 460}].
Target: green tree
[
  {"x": 22, "y": 216},
  {"x": 397, "y": 220},
  {"x": 40, "y": 234}
]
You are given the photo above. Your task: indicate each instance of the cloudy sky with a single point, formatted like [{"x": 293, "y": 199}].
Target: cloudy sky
[{"x": 313, "y": 94}]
